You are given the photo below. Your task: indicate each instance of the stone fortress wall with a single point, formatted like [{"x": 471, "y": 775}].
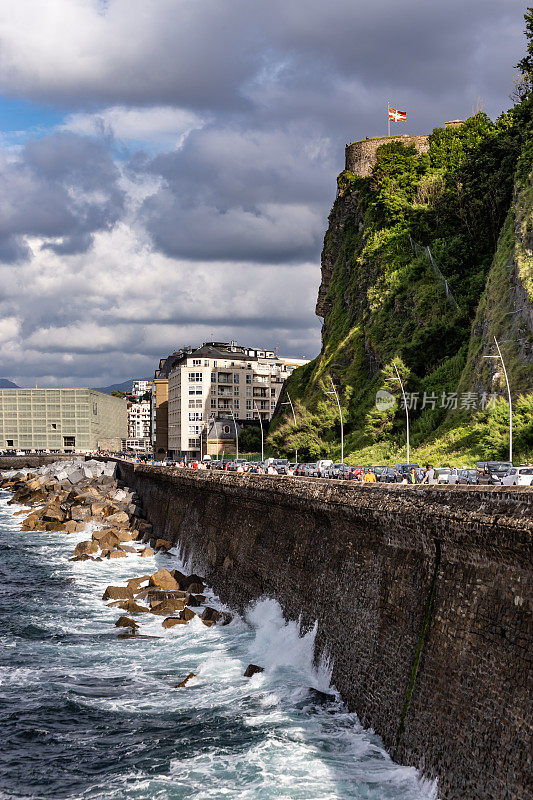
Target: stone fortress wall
[
  {"x": 422, "y": 597},
  {"x": 361, "y": 156}
]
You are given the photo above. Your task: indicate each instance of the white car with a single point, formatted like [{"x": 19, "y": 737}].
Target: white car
[{"x": 518, "y": 476}]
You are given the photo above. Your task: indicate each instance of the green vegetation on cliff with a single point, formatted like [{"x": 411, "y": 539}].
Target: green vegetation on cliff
[{"x": 389, "y": 300}]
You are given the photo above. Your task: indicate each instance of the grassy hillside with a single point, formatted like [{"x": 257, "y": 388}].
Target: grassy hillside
[{"x": 387, "y": 300}]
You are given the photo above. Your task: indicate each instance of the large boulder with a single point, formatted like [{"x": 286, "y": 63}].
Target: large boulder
[
  {"x": 119, "y": 519},
  {"x": 165, "y": 544},
  {"x": 80, "y": 513},
  {"x": 169, "y": 622},
  {"x": 85, "y": 548},
  {"x": 135, "y": 583},
  {"x": 166, "y": 607},
  {"x": 117, "y": 554},
  {"x": 252, "y": 669},
  {"x": 146, "y": 553},
  {"x": 53, "y": 513},
  {"x": 76, "y": 475},
  {"x": 130, "y": 606},
  {"x": 186, "y": 614},
  {"x": 71, "y": 526},
  {"x": 33, "y": 522},
  {"x": 162, "y": 579},
  {"x": 212, "y": 615},
  {"x": 126, "y": 622},
  {"x": 117, "y": 593}
]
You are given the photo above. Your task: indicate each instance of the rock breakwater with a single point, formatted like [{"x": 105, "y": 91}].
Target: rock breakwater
[{"x": 76, "y": 496}]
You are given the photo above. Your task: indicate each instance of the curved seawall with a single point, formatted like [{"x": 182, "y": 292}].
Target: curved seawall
[{"x": 422, "y": 597}]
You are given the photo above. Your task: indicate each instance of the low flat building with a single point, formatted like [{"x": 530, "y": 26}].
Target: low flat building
[
  {"x": 61, "y": 420},
  {"x": 221, "y": 380}
]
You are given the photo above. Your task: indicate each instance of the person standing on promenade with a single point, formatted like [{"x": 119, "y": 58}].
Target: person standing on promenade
[
  {"x": 412, "y": 476},
  {"x": 370, "y": 477},
  {"x": 429, "y": 476}
]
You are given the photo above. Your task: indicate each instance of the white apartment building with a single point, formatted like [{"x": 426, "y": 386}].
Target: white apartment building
[
  {"x": 139, "y": 420},
  {"x": 220, "y": 381},
  {"x": 138, "y": 388}
]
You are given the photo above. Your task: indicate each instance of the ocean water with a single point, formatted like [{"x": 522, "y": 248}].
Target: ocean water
[{"x": 84, "y": 714}]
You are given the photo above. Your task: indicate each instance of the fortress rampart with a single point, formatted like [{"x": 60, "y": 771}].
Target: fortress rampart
[{"x": 361, "y": 156}]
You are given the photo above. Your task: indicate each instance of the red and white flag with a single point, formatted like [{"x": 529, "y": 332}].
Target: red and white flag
[{"x": 397, "y": 116}]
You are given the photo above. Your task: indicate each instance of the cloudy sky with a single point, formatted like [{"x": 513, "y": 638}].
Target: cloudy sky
[{"x": 167, "y": 166}]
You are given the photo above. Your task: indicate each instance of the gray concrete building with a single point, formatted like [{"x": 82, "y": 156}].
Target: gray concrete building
[{"x": 61, "y": 420}]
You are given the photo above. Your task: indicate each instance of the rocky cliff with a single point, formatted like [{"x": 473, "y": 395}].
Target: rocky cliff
[{"x": 425, "y": 261}]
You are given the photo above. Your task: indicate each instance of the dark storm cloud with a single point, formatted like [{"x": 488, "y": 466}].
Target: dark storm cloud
[{"x": 61, "y": 188}]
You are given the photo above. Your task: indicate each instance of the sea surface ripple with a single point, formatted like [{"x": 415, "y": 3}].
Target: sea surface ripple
[{"x": 86, "y": 715}]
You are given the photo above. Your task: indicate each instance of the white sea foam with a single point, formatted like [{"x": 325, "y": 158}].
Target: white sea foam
[{"x": 263, "y": 738}]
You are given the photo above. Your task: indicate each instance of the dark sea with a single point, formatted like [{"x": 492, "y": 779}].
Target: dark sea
[{"x": 84, "y": 714}]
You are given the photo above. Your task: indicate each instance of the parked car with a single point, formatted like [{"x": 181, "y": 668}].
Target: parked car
[
  {"x": 404, "y": 469},
  {"x": 389, "y": 475},
  {"x": 322, "y": 466},
  {"x": 238, "y": 462},
  {"x": 518, "y": 476},
  {"x": 492, "y": 472},
  {"x": 467, "y": 476},
  {"x": 281, "y": 465},
  {"x": 338, "y": 472},
  {"x": 446, "y": 475}
]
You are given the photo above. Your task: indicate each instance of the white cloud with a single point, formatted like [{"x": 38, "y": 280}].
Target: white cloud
[{"x": 157, "y": 126}]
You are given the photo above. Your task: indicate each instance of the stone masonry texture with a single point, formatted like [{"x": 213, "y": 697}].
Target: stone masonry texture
[
  {"x": 361, "y": 156},
  {"x": 363, "y": 561}
]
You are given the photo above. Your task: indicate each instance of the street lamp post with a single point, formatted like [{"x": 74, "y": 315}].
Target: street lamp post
[
  {"x": 236, "y": 435},
  {"x": 340, "y": 414},
  {"x": 261, "y": 424},
  {"x": 509, "y": 396},
  {"x": 406, "y": 409},
  {"x": 294, "y": 418}
]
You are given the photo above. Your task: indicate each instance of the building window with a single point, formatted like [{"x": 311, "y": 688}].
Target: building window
[
  {"x": 195, "y": 377},
  {"x": 95, "y": 408},
  {"x": 195, "y": 429},
  {"x": 248, "y": 379},
  {"x": 235, "y": 377},
  {"x": 197, "y": 362},
  {"x": 9, "y": 442},
  {"x": 195, "y": 416},
  {"x": 195, "y": 390},
  {"x": 69, "y": 441},
  {"x": 54, "y": 426},
  {"x": 248, "y": 404},
  {"x": 272, "y": 393},
  {"x": 213, "y": 377},
  {"x": 248, "y": 415},
  {"x": 226, "y": 428},
  {"x": 235, "y": 404},
  {"x": 213, "y": 402},
  {"x": 272, "y": 405},
  {"x": 194, "y": 444},
  {"x": 195, "y": 403},
  {"x": 248, "y": 391},
  {"x": 236, "y": 391},
  {"x": 206, "y": 362}
]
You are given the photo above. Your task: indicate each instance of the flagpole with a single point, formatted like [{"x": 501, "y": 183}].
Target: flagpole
[{"x": 388, "y": 119}]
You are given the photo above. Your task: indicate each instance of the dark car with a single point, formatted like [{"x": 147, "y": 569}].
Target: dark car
[
  {"x": 389, "y": 475},
  {"x": 404, "y": 470},
  {"x": 467, "y": 476},
  {"x": 492, "y": 472}
]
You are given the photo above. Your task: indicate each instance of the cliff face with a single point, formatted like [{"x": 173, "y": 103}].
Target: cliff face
[{"x": 425, "y": 261}]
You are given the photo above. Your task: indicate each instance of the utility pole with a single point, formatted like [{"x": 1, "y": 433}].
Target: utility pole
[
  {"x": 340, "y": 414},
  {"x": 294, "y": 418},
  {"x": 262, "y": 439}
]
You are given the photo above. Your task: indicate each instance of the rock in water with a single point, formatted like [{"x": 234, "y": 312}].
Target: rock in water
[
  {"x": 85, "y": 548},
  {"x": 169, "y": 622},
  {"x": 185, "y": 680},
  {"x": 117, "y": 593},
  {"x": 126, "y": 622},
  {"x": 163, "y": 580},
  {"x": 146, "y": 553},
  {"x": 251, "y": 669},
  {"x": 166, "y": 544},
  {"x": 212, "y": 615}
]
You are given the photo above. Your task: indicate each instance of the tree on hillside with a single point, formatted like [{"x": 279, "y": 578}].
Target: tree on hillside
[
  {"x": 116, "y": 393},
  {"x": 250, "y": 440}
]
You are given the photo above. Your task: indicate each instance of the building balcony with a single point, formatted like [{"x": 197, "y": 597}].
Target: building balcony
[
  {"x": 224, "y": 391},
  {"x": 224, "y": 404}
]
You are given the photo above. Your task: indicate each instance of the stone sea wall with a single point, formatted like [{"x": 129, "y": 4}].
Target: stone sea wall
[{"x": 422, "y": 598}]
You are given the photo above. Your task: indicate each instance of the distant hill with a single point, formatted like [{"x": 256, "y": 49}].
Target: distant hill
[
  {"x": 5, "y": 384},
  {"x": 125, "y": 386}
]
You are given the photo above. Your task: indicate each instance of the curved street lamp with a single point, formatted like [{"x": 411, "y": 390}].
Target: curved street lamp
[
  {"x": 294, "y": 418},
  {"x": 340, "y": 414},
  {"x": 261, "y": 424},
  {"x": 509, "y": 396}
]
